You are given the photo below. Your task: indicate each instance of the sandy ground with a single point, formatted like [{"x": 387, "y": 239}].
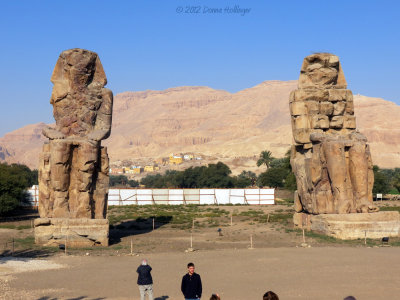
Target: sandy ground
[
  {"x": 327, "y": 270},
  {"x": 293, "y": 273}
]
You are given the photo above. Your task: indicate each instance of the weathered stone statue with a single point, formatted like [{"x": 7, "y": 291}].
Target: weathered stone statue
[
  {"x": 330, "y": 158},
  {"x": 73, "y": 170}
]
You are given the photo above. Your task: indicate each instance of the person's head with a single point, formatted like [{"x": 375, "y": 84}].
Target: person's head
[
  {"x": 144, "y": 262},
  {"x": 350, "y": 298},
  {"x": 270, "y": 296},
  {"x": 215, "y": 297},
  {"x": 190, "y": 267}
]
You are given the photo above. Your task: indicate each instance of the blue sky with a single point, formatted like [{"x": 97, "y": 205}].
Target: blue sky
[{"x": 150, "y": 44}]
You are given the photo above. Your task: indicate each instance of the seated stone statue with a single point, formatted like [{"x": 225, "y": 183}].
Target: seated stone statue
[
  {"x": 73, "y": 170},
  {"x": 331, "y": 160}
]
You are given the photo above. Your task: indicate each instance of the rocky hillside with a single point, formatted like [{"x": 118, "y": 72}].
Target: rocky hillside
[{"x": 216, "y": 123}]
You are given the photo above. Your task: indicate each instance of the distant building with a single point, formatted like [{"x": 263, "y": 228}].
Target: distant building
[
  {"x": 175, "y": 159},
  {"x": 137, "y": 170},
  {"x": 160, "y": 161},
  {"x": 149, "y": 168},
  {"x": 116, "y": 170},
  {"x": 188, "y": 156}
]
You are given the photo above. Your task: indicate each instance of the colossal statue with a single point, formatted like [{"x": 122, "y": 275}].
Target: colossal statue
[
  {"x": 73, "y": 169},
  {"x": 330, "y": 158}
]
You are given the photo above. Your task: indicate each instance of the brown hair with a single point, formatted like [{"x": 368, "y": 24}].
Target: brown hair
[
  {"x": 270, "y": 296},
  {"x": 215, "y": 297}
]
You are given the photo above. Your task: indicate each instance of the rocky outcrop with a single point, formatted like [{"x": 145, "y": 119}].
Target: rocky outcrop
[
  {"x": 4, "y": 153},
  {"x": 330, "y": 158}
]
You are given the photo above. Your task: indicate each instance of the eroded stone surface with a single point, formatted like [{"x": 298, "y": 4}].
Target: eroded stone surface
[
  {"x": 331, "y": 160},
  {"x": 73, "y": 167},
  {"x": 73, "y": 232},
  {"x": 351, "y": 226}
]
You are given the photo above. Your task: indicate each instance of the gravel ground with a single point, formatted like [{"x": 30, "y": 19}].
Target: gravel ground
[
  {"x": 12, "y": 265},
  {"x": 294, "y": 273}
]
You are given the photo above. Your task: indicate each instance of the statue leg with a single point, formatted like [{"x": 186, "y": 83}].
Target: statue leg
[
  {"x": 359, "y": 176},
  {"x": 337, "y": 170},
  {"x": 45, "y": 200},
  {"x": 59, "y": 176},
  {"x": 87, "y": 162},
  {"x": 100, "y": 194}
]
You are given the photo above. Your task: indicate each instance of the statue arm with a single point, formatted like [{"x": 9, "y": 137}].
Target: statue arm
[
  {"x": 52, "y": 133},
  {"x": 102, "y": 128}
]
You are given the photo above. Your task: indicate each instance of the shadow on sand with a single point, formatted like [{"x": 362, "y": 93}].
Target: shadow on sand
[
  {"x": 28, "y": 253},
  {"x": 136, "y": 227},
  {"x": 85, "y": 297},
  {"x": 75, "y": 298}
]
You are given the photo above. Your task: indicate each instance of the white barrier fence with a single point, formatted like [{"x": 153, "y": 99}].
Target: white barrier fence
[{"x": 181, "y": 196}]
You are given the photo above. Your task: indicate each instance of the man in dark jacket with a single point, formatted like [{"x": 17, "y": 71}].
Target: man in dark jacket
[
  {"x": 145, "y": 281},
  {"x": 191, "y": 284}
]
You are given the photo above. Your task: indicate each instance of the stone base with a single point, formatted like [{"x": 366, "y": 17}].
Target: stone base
[
  {"x": 73, "y": 232},
  {"x": 352, "y": 226}
]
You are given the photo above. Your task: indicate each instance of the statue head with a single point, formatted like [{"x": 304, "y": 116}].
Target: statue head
[
  {"x": 75, "y": 70},
  {"x": 322, "y": 70}
]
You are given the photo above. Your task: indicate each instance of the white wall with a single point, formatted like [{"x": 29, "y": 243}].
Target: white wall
[{"x": 182, "y": 196}]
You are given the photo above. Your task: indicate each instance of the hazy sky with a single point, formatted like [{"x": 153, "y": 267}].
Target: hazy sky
[{"x": 151, "y": 44}]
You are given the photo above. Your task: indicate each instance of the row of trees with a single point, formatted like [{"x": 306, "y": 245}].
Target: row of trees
[
  {"x": 122, "y": 181},
  {"x": 386, "y": 180},
  {"x": 212, "y": 176},
  {"x": 15, "y": 179},
  {"x": 278, "y": 175}
]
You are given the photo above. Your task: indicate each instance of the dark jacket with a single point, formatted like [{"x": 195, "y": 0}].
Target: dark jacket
[
  {"x": 191, "y": 286},
  {"x": 144, "y": 275}
]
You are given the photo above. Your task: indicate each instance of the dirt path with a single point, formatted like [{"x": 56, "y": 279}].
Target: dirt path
[{"x": 294, "y": 273}]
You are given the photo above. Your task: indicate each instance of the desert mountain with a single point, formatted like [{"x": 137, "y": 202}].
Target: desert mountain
[{"x": 215, "y": 123}]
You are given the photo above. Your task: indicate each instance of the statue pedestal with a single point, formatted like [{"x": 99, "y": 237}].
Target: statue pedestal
[
  {"x": 73, "y": 232},
  {"x": 351, "y": 226}
]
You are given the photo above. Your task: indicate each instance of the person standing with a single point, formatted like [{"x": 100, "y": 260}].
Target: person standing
[
  {"x": 191, "y": 284},
  {"x": 145, "y": 281}
]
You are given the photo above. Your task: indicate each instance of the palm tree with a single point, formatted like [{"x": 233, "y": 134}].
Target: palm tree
[{"x": 265, "y": 158}]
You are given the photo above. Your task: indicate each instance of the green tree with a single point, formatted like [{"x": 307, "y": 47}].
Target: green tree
[
  {"x": 381, "y": 181},
  {"x": 273, "y": 177},
  {"x": 212, "y": 176},
  {"x": 14, "y": 180},
  {"x": 118, "y": 180},
  {"x": 133, "y": 183},
  {"x": 153, "y": 181},
  {"x": 290, "y": 182},
  {"x": 122, "y": 181},
  {"x": 396, "y": 182},
  {"x": 245, "y": 179},
  {"x": 216, "y": 176},
  {"x": 394, "y": 179},
  {"x": 265, "y": 159}
]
